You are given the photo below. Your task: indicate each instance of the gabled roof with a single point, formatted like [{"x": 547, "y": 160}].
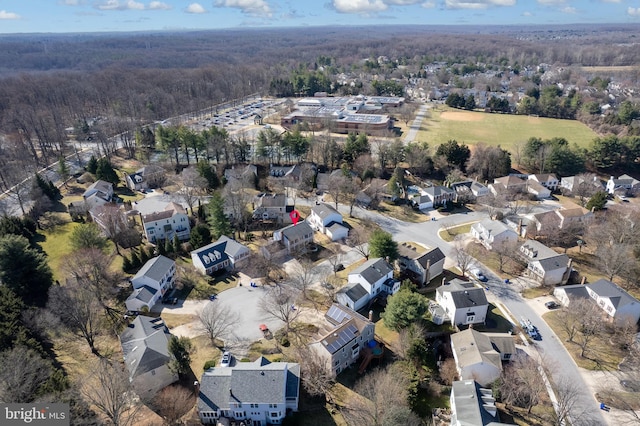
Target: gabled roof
[
  {"x": 464, "y": 294},
  {"x": 155, "y": 268},
  {"x": 510, "y": 181},
  {"x": 543, "y": 177},
  {"x": 324, "y": 210},
  {"x": 272, "y": 200},
  {"x": 438, "y": 190},
  {"x": 609, "y": 290},
  {"x": 473, "y": 347},
  {"x": 100, "y": 188},
  {"x": 558, "y": 261},
  {"x": 143, "y": 294},
  {"x": 493, "y": 227},
  {"x": 373, "y": 270},
  {"x": 145, "y": 345},
  {"x": 293, "y": 232},
  {"x": 536, "y": 250},
  {"x": 258, "y": 382},
  {"x": 574, "y": 212},
  {"x": 354, "y": 292},
  {"x": 432, "y": 256},
  {"x": 473, "y": 405},
  {"x": 219, "y": 251},
  {"x": 170, "y": 210},
  {"x": 345, "y": 325}
]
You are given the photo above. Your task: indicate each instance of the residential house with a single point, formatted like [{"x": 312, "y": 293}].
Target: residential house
[
  {"x": 540, "y": 191},
  {"x": 469, "y": 190},
  {"x": 548, "y": 180},
  {"x": 224, "y": 253},
  {"x": 166, "y": 224},
  {"x": 434, "y": 196},
  {"x": 551, "y": 221},
  {"x": 110, "y": 218},
  {"x": 573, "y": 183},
  {"x": 508, "y": 185},
  {"x": 479, "y": 355},
  {"x": 145, "y": 346},
  {"x": 295, "y": 237},
  {"x": 614, "y": 301},
  {"x": 151, "y": 283},
  {"x": 327, "y": 220},
  {"x": 463, "y": 302},
  {"x": 272, "y": 207},
  {"x": 472, "y": 404},
  {"x": 420, "y": 264},
  {"x": 257, "y": 393},
  {"x": 98, "y": 194},
  {"x": 544, "y": 264},
  {"x": 245, "y": 174},
  {"x": 492, "y": 233},
  {"x": 624, "y": 185},
  {"x": 145, "y": 178},
  {"x": 343, "y": 336}
]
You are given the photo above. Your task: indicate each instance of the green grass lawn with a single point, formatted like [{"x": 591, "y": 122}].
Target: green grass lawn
[
  {"x": 505, "y": 130},
  {"x": 450, "y": 234},
  {"x": 56, "y": 245}
]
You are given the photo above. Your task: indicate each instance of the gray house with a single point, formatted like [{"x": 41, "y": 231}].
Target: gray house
[
  {"x": 419, "y": 263},
  {"x": 224, "y": 253},
  {"x": 146, "y": 355},
  {"x": 295, "y": 237},
  {"x": 473, "y": 405},
  {"x": 256, "y": 393}
]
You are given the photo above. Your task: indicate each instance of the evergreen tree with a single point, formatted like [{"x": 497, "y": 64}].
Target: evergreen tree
[
  {"x": 87, "y": 236},
  {"x": 180, "y": 349},
  {"x": 160, "y": 246},
  {"x": 217, "y": 220},
  {"x": 135, "y": 260},
  {"x": 208, "y": 173},
  {"x": 200, "y": 236},
  {"x": 63, "y": 170},
  {"x": 126, "y": 264},
  {"x": 92, "y": 165},
  {"x": 144, "y": 255},
  {"x": 176, "y": 244},
  {"x": 403, "y": 309},
  {"x": 168, "y": 246},
  {"x": 105, "y": 171},
  {"x": 381, "y": 244}
]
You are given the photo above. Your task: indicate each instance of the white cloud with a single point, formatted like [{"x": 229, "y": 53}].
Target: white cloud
[
  {"x": 70, "y": 2},
  {"x": 195, "y": 8},
  {"x": 611, "y": 1},
  {"x": 569, "y": 9},
  {"x": 551, "y": 2},
  {"x": 633, "y": 11},
  {"x": 527, "y": 14},
  {"x": 402, "y": 2},
  {"x": 477, "y": 4},
  {"x": 118, "y": 5},
  {"x": 8, "y": 15},
  {"x": 359, "y": 6},
  {"x": 158, "y": 5},
  {"x": 428, "y": 4},
  {"x": 248, "y": 7}
]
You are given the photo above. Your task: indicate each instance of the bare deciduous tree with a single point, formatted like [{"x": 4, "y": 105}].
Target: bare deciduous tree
[
  {"x": 448, "y": 371},
  {"x": 464, "y": 259},
  {"x": 521, "y": 383},
  {"x": 335, "y": 187},
  {"x": 302, "y": 276},
  {"x": 172, "y": 402},
  {"x": 193, "y": 188},
  {"x": 358, "y": 239},
  {"x": 280, "y": 303},
  {"x": 567, "y": 408},
  {"x": 78, "y": 309},
  {"x": 217, "y": 320},
  {"x": 108, "y": 389},
  {"x": 23, "y": 373},
  {"x": 317, "y": 377},
  {"x": 615, "y": 259}
]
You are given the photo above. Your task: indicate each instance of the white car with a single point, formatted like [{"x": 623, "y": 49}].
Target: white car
[
  {"x": 478, "y": 274},
  {"x": 226, "y": 359}
]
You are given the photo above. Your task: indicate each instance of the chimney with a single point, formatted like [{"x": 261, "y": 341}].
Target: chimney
[
  {"x": 371, "y": 315},
  {"x": 443, "y": 281},
  {"x": 196, "y": 385},
  {"x": 230, "y": 392},
  {"x": 519, "y": 227},
  {"x": 584, "y": 280}
]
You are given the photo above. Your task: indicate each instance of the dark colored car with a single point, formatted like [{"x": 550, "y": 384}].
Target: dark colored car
[
  {"x": 552, "y": 305},
  {"x": 338, "y": 267}
]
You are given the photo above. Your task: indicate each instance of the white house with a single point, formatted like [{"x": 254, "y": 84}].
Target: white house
[
  {"x": 493, "y": 233},
  {"x": 372, "y": 279},
  {"x": 548, "y": 180},
  {"x": 479, "y": 355},
  {"x": 420, "y": 264},
  {"x": 98, "y": 194},
  {"x": 145, "y": 346},
  {"x": 540, "y": 191},
  {"x": 463, "y": 302},
  {"x": 624, "y": 185},
  {"x": 145, "y": 178},
  {"x": 257, "y": 393},
  {"x": 434, "y": 196},
  {"x": 572, "y": 183},
  {"x": 224, "y": 253},
  {"x": 619, "y": 305},
  {"x": 343, "y": 337},
  {"x": 472, "y": 404},
  {"x": 545, "y": 265},
  {"x": 164, "y": 225},
  {"x": 295, "y": 237},
  {"x": 327, "y": 220},
  {"x": 274, "y": 207},
  {"x": 469, "y": 190},
  {"x": 151, "y": 283}
]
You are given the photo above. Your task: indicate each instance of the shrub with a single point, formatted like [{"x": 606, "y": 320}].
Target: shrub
[{"x": 209, "y": 364}]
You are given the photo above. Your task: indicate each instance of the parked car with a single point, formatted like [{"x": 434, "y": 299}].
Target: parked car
[
  {"x": 552, "y": 305},
  {"x": 338, "y": 267},
  {"x": 226, "y": 359},
  {"x": 478, "y": 274}
]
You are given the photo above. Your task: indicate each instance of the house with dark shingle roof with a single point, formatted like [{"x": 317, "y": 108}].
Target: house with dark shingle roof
[
  {"x": 151, "y": 283},
  {"x": 97, "y": 194},
  {"x": 343, "y": 335},
  {"x": 145, "y": 346},
  {"x": 463, "y": 302},
  {"x": 145, "y": 178},
  {"x": 353, "y": 296},
  {"x": 327, "y": 220},
  {"x": 224, "y": 253},
  {"x": 257, "y": 393},
  {"x": 544, "y": 264},
  {"x": 619, "y": 305},
  {"x": 165, "y": 224},
  {"x": 295, "y": 237},
  {"x": 493, "y": 233},
  {"x": 623, "y": 185},
  {"x": 419, "y": 263},
  {"x": 375, "y": 277}
]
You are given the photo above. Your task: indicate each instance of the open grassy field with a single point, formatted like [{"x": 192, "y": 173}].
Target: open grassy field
[{"x": 505, "y": 130}]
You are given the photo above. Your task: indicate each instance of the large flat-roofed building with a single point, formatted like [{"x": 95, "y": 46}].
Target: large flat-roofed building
[{"x": 349, "y": 114}]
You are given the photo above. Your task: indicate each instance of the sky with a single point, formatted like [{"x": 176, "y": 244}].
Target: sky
[{"x": 66, "y": 16}]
